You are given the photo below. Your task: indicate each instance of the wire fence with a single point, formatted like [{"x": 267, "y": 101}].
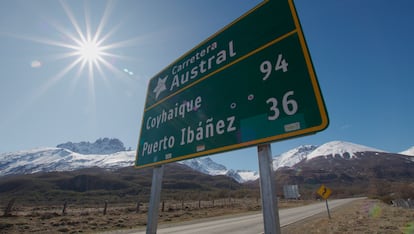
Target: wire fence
[
  {"x": 13, "y": 208},
  {"x": 409, "y": 204}
]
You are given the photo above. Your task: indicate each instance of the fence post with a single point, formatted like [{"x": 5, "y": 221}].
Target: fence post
[
  {"x": 106, "y": 206},
  {"x": 137, "y": 208},
  {"x": 8, "y": 210},
  {"x": 64, "y": 208}
]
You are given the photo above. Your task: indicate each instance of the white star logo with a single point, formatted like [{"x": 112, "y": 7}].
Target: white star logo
[{"x": 160, "y": 87}]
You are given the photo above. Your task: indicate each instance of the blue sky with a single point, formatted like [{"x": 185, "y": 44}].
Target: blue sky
[{"x": 361, "y": 51}]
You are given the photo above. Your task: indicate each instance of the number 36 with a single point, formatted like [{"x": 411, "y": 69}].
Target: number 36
[{"x": 289, "y": 106}]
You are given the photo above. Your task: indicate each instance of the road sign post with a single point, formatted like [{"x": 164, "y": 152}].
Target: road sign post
[
  {"x": 327, "y": 208},
  {"x": 268, "y": 190},
  {"x": 154, "y": 205},
  {"x": 325, "y": 192}
]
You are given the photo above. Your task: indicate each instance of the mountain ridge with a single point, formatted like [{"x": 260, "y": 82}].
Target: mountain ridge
[{"x": 100, "y": 146}]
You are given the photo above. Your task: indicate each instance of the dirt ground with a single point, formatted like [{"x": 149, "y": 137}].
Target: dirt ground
[{"x": 363, "y": 216}]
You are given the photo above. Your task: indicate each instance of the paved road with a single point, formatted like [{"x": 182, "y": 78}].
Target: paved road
[{"x": 246, "y": 224}]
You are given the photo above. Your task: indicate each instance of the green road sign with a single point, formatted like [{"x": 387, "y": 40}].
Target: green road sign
[{"x": 251, "y": 83}]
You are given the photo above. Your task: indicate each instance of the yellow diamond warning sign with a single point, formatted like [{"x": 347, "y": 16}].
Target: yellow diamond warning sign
[{"x": 324, "y": 192}]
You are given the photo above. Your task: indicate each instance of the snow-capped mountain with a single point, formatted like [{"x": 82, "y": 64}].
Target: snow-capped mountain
[
  {"x": 409, "y": 152},
  {"x": 59, "y": 159},
  {"x": 348, "y": 164},
  {"x": 293, "y": 156},
  {"x": 340, "y": 148},
  {"x": 104, "y": 153},
  {"x": 207, "y": 166}
]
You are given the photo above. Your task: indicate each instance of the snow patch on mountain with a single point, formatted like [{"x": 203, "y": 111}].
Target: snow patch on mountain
[
  {"x": 293, "y": 156},
  {"x": 409, "y": 152},
  {"x": 247, "y": 175},
  {"x": 242, "y": 176},
  {"x": 207, "y": 166},
  {"x": 340, "y": 148}
]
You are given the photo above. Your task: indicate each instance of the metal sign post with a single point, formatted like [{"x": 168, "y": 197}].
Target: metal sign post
[
  {"x": 327, "y": 208},
  {"x": 155, "y": 199},
  {"x": 268, "y": 190}
]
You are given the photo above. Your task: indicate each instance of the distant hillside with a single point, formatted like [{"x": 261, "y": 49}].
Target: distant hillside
[
  {"x": 351, "y": 169},
  {"x": 123, "y": 185}
]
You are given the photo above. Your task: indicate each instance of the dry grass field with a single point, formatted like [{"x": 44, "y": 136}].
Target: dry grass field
[
  {"x": 118, "y": 216},
  {"x": 363, "y": 216}
]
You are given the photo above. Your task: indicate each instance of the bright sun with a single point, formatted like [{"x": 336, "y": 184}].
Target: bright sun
[
  {"x": 92, "y": 55},
  {"x": 90, "y": 51}
]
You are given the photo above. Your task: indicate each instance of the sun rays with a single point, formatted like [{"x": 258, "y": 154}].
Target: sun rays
[
  {"x": 84, "y": 48},
  {"x": 88, "y": 46}
]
